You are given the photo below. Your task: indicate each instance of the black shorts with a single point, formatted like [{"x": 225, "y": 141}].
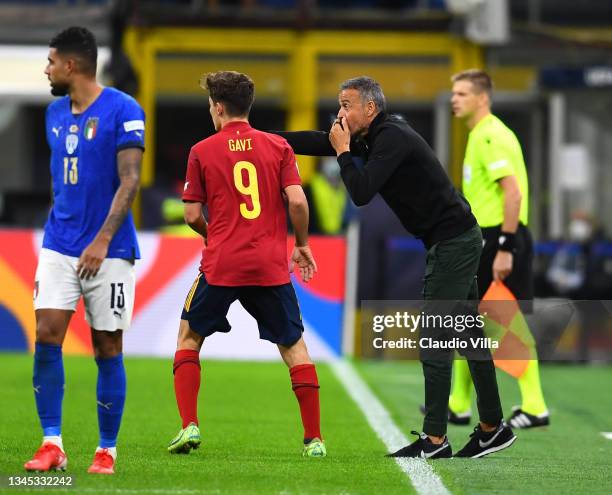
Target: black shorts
[
  {"x": 275, "y": 308},
  {"x": 520, "y": 280}
]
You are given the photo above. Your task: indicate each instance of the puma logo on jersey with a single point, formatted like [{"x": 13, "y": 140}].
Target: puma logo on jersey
[
  {"x": 240, "y": 144},
  {"x": 56, "y": 130}
]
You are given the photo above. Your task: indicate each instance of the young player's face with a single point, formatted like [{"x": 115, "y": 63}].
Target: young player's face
[
  {"x": 354, "y": 112},
  {"x": 464, "y": 100},
  {"x": 57, "y": 71}
]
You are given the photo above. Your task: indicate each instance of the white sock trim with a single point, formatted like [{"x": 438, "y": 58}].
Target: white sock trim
[{"x": 55, "y": 440}]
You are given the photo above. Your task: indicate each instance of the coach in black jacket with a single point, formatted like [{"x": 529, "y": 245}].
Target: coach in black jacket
[{"x": 404, "y": 170}]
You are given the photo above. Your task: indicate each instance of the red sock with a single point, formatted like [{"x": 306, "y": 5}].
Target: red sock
[
  {"x": 305, "y": 385},
  {"x": 187, "y": 384}
]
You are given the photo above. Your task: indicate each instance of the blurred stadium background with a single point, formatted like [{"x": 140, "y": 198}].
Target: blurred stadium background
[{"x": 551, "y": 61}]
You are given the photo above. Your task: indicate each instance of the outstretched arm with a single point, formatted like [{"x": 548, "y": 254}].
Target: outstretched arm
[
  {"x": 310, "y": 143},
  {"x": 128, "y": 167}
]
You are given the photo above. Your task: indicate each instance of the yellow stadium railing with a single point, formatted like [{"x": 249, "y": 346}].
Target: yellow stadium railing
[{"x": 302, "y": 52}]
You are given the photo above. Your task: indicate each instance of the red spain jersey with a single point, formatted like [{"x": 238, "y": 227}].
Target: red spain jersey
[{"x": 240, "y": 173}]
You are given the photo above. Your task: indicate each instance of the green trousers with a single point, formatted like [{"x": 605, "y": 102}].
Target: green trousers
[{"x": 450, "y": 275}]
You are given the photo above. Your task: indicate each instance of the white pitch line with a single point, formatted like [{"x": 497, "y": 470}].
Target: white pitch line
[
  {"x": 607, "y": 435},
  {"x": 421, "y": 474}
]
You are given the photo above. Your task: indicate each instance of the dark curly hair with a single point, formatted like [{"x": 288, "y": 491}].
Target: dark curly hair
[{"x": 235, "y": 90}]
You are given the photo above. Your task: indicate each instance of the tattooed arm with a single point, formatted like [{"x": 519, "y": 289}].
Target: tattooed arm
[{"x": 128, "y": 166}]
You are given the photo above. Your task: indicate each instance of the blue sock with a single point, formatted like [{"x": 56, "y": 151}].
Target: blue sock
[
  {"x": 111, "y": 398},
  {"x": 48, "y": 382}
]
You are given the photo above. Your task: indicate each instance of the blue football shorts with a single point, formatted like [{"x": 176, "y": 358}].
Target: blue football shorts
[{"x": 275, "y": 308}]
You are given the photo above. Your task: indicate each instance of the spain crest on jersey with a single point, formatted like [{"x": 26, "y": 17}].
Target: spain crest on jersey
[{"x": 91, "y": 128}]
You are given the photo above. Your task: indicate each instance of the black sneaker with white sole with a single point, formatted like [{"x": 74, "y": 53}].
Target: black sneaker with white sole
[
  {"x": 521, "y": 419},
  {"x": 425, "y": 449},
  {"x": 460, "y": 419},
  {"x": 484, "y": 443}
]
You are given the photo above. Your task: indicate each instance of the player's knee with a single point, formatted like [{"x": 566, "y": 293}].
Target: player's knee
[
  {"x": 295, "y": 354},
  {"x": 106, "y": 351},
  {"x": 48, "y": 333},
  {"x": 296, "y": 360},
  {"x": 106, "y": 344},
  {"x": 189, "y": 343},
  {"x": 188, "y": 340}
]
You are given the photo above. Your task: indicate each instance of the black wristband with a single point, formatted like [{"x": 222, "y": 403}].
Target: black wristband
[{"x": 506, "y": 242}]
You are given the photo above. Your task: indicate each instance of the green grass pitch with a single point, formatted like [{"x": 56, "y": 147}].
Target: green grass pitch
[
  {"x": 569, "y": 457},
  {"x": 252, "y": 433}
]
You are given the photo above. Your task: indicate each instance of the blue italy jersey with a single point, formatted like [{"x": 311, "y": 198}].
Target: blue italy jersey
[{"x": 84, "y": 171}]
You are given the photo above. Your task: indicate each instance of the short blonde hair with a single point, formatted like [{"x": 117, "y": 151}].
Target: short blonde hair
[{"x": 479, "y": 78}]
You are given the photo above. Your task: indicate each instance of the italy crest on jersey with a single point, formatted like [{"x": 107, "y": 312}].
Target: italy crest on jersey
[
  {"x": 72, "y": 141},
  {"x": 91, "y": 128}
]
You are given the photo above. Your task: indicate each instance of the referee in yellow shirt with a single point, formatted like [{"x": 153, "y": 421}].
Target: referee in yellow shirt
[{"x": 495, "y": 184}]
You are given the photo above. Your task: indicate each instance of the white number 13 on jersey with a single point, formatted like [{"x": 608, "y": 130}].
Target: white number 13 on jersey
[
  {"x": 251, "y": 189},
  {"x": 71, "y": 170}
]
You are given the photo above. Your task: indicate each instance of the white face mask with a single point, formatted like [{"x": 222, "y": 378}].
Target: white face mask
[{"x": 580, "y": 230}]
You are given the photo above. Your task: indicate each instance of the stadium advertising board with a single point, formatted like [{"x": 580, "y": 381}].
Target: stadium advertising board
[{"x": 164, "y": 275}]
